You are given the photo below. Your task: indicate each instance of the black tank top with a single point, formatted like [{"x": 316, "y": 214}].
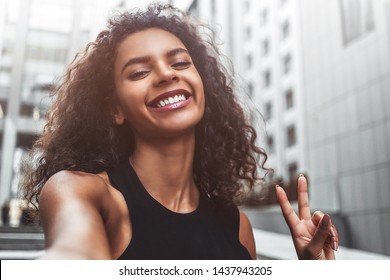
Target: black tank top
[{"x": 209, "y": 232}]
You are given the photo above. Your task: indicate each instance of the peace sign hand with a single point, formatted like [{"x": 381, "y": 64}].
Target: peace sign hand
[{"x": 314, "y": 237}]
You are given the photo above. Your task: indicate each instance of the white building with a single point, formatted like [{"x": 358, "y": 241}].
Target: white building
[
  {"x": 319, "y": 71},
  {"x": 346, "y": 64}
]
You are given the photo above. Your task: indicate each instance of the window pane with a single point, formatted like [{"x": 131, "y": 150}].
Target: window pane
[
  {"x": 270, "y": 144},
  {"x": 285, "y": 30},
  {"x": 250, "y": 88},
  {"x": 289, "y": 99},
  {"x": 291, "y": 136},
  {"x": 266, "y": 78},
  {"x": 292, "y": 170},
  {"x": 265, "y": 47},
  {"x": 357, "y": 18},
  {"x": 249, "y": 61},
  {"x": 287, "y": 64},
  {"x": 268, "y": 110},
  {"x": 264, "y": 17}
]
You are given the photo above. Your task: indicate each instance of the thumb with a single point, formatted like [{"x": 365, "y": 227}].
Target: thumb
[{"x": 316, "y": 245}]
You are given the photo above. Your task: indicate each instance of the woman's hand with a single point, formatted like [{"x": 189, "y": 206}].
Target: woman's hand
[{"x": 314, "y": 237}]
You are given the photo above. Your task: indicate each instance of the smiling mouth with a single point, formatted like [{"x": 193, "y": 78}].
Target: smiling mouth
[{"x": 170, "y": 98}]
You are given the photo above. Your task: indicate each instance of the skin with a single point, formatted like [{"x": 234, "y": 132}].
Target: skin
[
  {"x": 314, "y": 236},
  {"x": 162, "y": 158}
]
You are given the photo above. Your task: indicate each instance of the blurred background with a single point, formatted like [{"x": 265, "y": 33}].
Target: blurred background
[{"x": 317, "y": 70}]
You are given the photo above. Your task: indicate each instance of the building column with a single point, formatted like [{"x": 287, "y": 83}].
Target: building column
[{"x": 10, "y": 123}]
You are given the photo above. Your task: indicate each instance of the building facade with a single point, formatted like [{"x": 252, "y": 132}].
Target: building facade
[
  {"x": 346, "y": 64},
  {"x": 319, "y": 73}
]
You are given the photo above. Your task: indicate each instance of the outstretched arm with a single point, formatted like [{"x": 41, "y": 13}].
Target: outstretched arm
[
  {"x": 71, "y": 217},
  {"x": 314, "y": 237}
]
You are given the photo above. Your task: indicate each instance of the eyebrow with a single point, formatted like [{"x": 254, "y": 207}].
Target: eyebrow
[{"x": 144, "y": 59}]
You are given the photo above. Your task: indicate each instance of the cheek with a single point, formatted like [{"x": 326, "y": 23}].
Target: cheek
[
  {"x": 132, "y": 105},
  {"x": 129, "y": 94},
  {"x": 201, "y": 92}
]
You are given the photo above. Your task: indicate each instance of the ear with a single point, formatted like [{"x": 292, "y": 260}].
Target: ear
[
  {"x": 118, "y": 116},
  {"x": 115, "y": 111}
]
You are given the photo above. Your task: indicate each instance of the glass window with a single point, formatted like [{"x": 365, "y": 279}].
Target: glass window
[
  {"x": 249, "y": 61},
  {"x": 265, "y": 47},
  {"x": 289, "y": 99},
  {"x": 285, "y": 30},
  {"x": 264, "y": 17},
  {"x": 250, "y": 88},
  {"x": 271, "y": 144},
  {"x": 267, "y": 78},
  {"x": 268, "y": 110},
  {"x": 292, "y": 170},
  {"x": 357, "y": 18},
  {"x": 287, "y": 64},
  {"x": 247, "y": 6},
  {"x": 291, "y": 136},
  {"x": 248, "y": 32}
]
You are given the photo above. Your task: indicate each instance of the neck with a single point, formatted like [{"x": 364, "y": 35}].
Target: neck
[{"x": 165, "y": 170}]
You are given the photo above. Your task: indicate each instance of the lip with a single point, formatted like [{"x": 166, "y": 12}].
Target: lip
[
  {"x": 172, "y": 107},
  {"x": 168, "y": 94}
]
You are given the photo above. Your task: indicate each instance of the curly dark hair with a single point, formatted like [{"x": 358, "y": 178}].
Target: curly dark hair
[{"x": 80, "y": 133}]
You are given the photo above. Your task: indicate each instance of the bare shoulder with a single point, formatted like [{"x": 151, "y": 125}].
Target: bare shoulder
[
  {"x": 246, "y": 235},
  {"x": 75, "y": 183}
]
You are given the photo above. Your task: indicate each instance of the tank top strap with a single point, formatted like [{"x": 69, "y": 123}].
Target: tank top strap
[{"x": 125, "y": 180}]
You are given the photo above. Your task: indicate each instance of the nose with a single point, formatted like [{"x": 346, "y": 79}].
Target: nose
[{"x": 165, "y": 75}]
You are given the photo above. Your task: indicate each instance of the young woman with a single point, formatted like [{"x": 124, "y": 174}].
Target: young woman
[{"x": 146, "y": 152}]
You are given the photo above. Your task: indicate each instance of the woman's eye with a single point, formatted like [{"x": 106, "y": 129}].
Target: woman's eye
[
  {"x": 138, "y": 75},
  {"x": 181, "y": 64}
]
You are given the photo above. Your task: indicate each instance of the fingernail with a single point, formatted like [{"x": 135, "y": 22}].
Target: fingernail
[
  {"x": 317, "y": 212},
  {"x": 301, "y": 175},
  {"x": 334, "y": 246},
  {"x": 325, "y": 220}
]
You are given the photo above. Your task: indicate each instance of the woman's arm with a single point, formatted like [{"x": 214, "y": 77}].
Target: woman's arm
[
  {"x": 71, "y": 214},
  {"x": 246, "y": 235}
]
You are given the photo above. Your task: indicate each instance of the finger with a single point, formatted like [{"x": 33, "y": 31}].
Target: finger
[
  {"x": 288, "y": 212},
  {"x": 316, "y": 245},
  {"x": 303, "y": 199},
  {"x": 317, "y": 216},
  {"x": 333, "y": 238}
]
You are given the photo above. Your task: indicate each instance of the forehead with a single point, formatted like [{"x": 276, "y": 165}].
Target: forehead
[{"x": 148, "y": 42}]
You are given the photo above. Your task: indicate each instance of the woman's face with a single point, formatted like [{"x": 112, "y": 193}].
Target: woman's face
[{"x": 159, "y": 90}]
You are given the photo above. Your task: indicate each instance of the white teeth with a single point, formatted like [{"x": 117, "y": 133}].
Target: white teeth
[{"x": 171, "y": 100}]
